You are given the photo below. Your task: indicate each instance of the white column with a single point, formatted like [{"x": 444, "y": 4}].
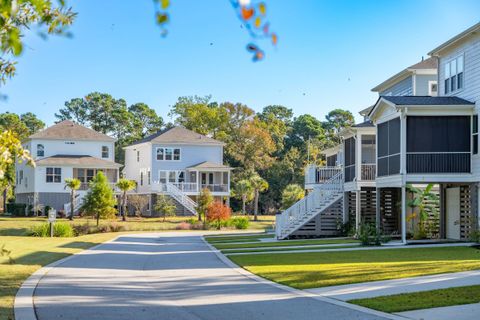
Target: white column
[
  {"x": 404, "y": 215},
  {"x": 358, "y": 157}
]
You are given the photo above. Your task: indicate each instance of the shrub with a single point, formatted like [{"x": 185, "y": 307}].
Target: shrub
[
  {"x": 240, "y": 223},
  {"x": 218, "y": 214},
  {"x": 60, "y": 229},
  {"x": 82, "y": 229},
  {"x": 110, "y": 227},
  {"x": 370, "y": 236},
  {"x": 183, "y": 226},
  {"x": 18, "y": 209}
]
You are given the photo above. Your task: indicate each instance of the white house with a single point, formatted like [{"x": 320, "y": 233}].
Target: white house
[
  {"x": 180, "y": 163},
  {"x": 64, "y": 150}
]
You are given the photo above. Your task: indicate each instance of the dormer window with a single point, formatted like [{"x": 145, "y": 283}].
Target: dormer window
[
  {"x": 104, "y": 152},
  {"x": 40, "y": 150},
  {"x": 454, "y": 75}
]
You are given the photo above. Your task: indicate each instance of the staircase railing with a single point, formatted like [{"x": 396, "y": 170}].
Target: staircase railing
[
  {"x": 78, "y": 203},
  {"x": 181, "y": 197},
  {"x": 314, "y": 203}
]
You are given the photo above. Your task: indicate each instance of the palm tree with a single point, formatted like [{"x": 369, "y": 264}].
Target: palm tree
[
  {"x": 73, "y": 184},
  {"x": 125, "y": 185},
  {"x": 243, "y": 190},
  {"x": 259, "y": 185}
]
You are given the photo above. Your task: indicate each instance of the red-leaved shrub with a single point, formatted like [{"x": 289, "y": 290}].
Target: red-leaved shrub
[{"x": 218, "y": 214}]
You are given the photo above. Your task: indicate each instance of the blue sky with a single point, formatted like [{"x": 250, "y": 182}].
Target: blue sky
[{"x": 330, "y": 53}]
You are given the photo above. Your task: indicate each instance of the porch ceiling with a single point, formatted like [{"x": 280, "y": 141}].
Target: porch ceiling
[{"x": 83, "y": 161}]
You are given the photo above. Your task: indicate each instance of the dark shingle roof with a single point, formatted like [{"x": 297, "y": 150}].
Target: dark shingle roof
[
  {"x": 70, "y": 130},
  {"x": 77, "y": 160},
  {"x": 365, "y": 124},
  {"x": 426, "y": 101},
  {"x": 178, "y": 135}
]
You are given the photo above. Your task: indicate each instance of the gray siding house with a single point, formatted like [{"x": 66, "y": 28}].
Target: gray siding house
[{"x": 179, "y": 163}]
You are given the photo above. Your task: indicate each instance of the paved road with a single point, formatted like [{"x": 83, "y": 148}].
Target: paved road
[{"x": 167, "y": 276}]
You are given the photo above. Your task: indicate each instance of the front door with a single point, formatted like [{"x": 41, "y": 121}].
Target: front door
[{"x": 453, "y": 213}]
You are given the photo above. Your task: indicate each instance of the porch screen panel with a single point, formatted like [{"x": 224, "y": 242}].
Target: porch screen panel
[
  {"x": 349, "y": 159},
  {"x": 439, "y": 144},
  {"x": 388, "y": 137},
  {"x": 332, "y": 161}
]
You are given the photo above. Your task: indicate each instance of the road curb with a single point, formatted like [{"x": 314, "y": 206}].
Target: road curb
[
  {"x": 24, "y": 306},
  {"x": 259, "y": 279}
]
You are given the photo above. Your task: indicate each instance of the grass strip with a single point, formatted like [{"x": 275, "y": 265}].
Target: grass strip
[
  {"x": 305, "y": 270},
  {"x": 284, "y": 243},
  {"x": 229, "y": 251},
  {"x": 422, "y": 300}
]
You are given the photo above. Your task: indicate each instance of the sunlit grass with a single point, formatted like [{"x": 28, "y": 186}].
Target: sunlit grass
[
  {"x": 321, "y": 269},
  {"x": 283, "y": 243},
  {"x": 30, "y": 254},
  {"x": 422, "y": 300}
]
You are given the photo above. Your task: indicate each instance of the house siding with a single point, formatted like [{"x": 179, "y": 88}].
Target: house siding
[
  {"x": 471, "y": 90},
  {"x": 190, "y": 155},
  {"x": 421, "y": 84},
  {"x": 402, "y": 88}
]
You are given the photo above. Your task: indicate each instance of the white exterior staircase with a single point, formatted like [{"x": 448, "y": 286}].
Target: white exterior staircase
[
  {"x": 76, "y": 208},
  {"x": 180, "y": 196},
  {"x": 315, "y": 203}
]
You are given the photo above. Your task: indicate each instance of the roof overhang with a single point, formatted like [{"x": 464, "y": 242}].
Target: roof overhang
[
  {"x": 332, "y": 150},
  {"x": 402, "y": 75},
  {"x": 474, "y": 30}
]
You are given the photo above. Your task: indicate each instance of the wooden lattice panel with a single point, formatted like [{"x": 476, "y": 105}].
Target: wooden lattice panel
[
  {"x": 390, "y": 210},
  {"x": 368, "y": 204}
]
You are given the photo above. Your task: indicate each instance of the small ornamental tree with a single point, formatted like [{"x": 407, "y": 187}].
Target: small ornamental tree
[
  {"x": 291, "y": 194},
  {"x": 125, "y": 185},
  {"x": 99, "y": 200},
  {"x": 218, "y": 214},
  {"x": 138, "y": 202},
  {"x": 73, "y": 184},
  {"x": 165, "y": 206},
  {"x": 205, "y": 199},
  {"x": 243, "y": 190}
]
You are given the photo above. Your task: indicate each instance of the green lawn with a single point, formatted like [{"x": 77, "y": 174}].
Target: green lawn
[
  {"x": 321, "y": 269},
  {"x": 227, "y": 251},
  {"x": 32, "y": 253},
  {"x": 284, "y": 243},
  {"x": 422, "y": 300}
]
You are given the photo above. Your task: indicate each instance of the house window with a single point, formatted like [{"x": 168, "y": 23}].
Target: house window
[
  {"x": 40, "y": 150},
  {"x": 454, "y": 75},
  {"x": 90, "y": 174},
  {"x": 54, "y": 175},
  {"x": 432, "y": 88},
  {"x": 163, "y": 176},
  {"x": 168, "y": 154},
  {"x": 172, "y": 176},
  {"x": 141, "y": 178},
  {"x": 104, "y": 152},
  {"x": 149, "y": 176},
  {"x": 81, "y": 175},
  {"x": 475, "y": 134},
  {"x": 20, "y": 178},
  {"x": 138, "y": 156},
  {"x": 181, "y": 176}
]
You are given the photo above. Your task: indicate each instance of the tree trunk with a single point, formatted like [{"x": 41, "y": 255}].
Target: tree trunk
[
  {"x": 124, "y": 206},
  {"x": 256, "y": 206},
  {"x": 98, "y": 219},
  {"x": 72, "y": 205},
  {"x": 4, "y": 204},
  {"x": 243, "y": 205}
]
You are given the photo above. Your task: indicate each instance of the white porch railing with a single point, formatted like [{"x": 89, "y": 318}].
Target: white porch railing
[
  {"x": 306, "y": 209},
  {"x": 318, "y": 175},
  {"x": 78, "y": 204},
  {"x": 186, "y": 186},
  {"x": 369, "y": 171}
]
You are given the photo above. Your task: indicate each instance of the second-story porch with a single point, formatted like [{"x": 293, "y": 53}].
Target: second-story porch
[{"x": 206, "y": 175}]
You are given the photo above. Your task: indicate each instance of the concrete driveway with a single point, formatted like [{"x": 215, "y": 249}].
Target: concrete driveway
[{"x": 167, "y": 276}]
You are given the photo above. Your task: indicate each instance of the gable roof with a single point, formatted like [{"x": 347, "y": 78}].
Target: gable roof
[
  {"x": 208, "y": 165},
  {"x": 400, "y": 101},
  {"x": 459, "y": 37},
  {"x": 428, "y": 64},
  {"x": 84, "y": 161},
  {"x": 427, "y": 100},
  {"x": 365, "y": 124},
  {"x": 70, "y": 130},
  {"x": 178, "y": 135}
]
